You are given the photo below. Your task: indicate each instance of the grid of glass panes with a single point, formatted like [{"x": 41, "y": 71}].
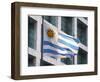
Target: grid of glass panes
[{"x": 82, "y": 29}]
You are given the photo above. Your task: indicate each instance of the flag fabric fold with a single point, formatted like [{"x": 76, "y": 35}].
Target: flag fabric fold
[{"x": 60, "y": 43}]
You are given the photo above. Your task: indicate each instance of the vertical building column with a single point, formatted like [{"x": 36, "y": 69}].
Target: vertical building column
[
  {"x": 38, "y": 39},
  {"x": 37, "y": 61},
  {"x": 59, "y": 28},
  {"x": 39, "y": 44},
  {"x": 75, "y": 35},
  {"x": 59, "y": 23}
]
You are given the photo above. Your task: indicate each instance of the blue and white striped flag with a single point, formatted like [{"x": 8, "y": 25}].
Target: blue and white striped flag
[{"x": 60, "y": 43}]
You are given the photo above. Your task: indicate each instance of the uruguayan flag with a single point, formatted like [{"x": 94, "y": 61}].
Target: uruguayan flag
[{"x": 60, "y": 43}]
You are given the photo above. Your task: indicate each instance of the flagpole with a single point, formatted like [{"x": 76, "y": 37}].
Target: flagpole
[{"x": 41, "y": 60}]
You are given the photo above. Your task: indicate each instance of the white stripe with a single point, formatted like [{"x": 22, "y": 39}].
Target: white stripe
[
  {"x": 70, "y": 41},
  {"x": 64, "y": 46},
  {"x": 49, "y": 54},
  {"x": 65, "y": 34},
  {"x": 55, "y": 49},
  {"x": 56, "y": 56}
]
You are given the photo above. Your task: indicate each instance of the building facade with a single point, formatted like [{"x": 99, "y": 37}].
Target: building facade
[{"x": 74, "y": 26}]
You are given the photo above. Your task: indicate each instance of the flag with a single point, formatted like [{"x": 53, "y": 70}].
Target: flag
[{"x": 56, "y": 42}]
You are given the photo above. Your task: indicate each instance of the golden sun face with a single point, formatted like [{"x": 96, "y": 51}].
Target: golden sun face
[{"x": 50, "y": 33}]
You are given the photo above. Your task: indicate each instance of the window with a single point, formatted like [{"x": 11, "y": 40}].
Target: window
[
  {"x": 67, "y": 61},
  {"x": 82, "y": 35},
  {"x": 66, "y": 25},
  {"x": 45, "y": 63},
  {"x": 31, "y": 60},
  {"x": 82, "y": 32},
  {"x": 32, "y": 24},
  {"x": 52, "y": 20},
  {"x": 82, "y": 57}
]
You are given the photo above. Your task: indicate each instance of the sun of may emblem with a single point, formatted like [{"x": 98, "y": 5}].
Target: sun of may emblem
[{"x": 50, "y": 33}]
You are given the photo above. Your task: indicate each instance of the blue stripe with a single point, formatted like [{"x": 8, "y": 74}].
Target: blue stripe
[
  {"x": 53, "y": 45},
  {"x": 56, "y": 46},
  {"x": 68, "y": 37},
  {"x": 68, "y": 44},
  {"x": 55, "y": 52}
]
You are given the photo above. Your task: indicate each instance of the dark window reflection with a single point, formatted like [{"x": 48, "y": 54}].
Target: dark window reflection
[
  {"x": 82, "y": 32},
  {"x": 67, "y": 61},
  {"x": 52, "y": 19},
  {"x": 82, "y": 57},
  {"x": 45, "y": 63},
  {"x": 31, "y": 60},
  {"x": 32, "y": 32},
  {"x": 85, "y": 18},
  {"x": 66, "y": 24}
]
